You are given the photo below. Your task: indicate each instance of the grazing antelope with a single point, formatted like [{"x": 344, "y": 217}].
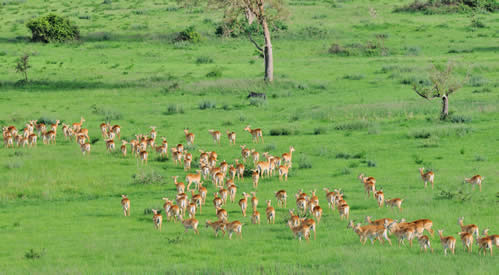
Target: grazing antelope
[
  {"x": 270, "y": 211},
  {"x": 222, "y": 214},
  {"x": 232, "y": 137},
  {"x": 255, "y": 217},
  {"x": 110, "y": 146},
  {"x": 76, "y": 125},
  {"x": 85, "y": 148},
  {"x": 257, "y": 134},
  {"x": 256, "y": 177},
  {"x": 467, "y": 240},
  {"x": 193, "y": 178},
  {"x": 424, "y": 242},
  {"x": 191, "y": 224},
  {"x": 245, "y": 153},
  {"x": 283, "y": 172},
  {"x": 495, "y": 238},
  {"x": 300, "y": 231},
  {"x": 397, "y": 202},
  {"x": 189, "y": 137},
  {"x": 216, "y": 226},
  {"x": 484, "y": 244},
  {"x": 447, "y": 242},
  {"x": 281, "y": 197},
  {"x": 380, "y": 197},
  {"x": 317, "y": 213},
  {"x": 216, "y": 136},
  {"x": 232, "y": 192},
  {"x": 288, "y": 156},
  {"x": 427, "y": 177},
  {"x": 157, "y": 219},
  {"x": 125, "y": 203},
  {"x": 254, "y": 201},
  {"x": 235, "y": 226},
  {"x": 475, "y": 180},
  {"x": 470, "y": 228},
  {"x": 243, "y": 203}
]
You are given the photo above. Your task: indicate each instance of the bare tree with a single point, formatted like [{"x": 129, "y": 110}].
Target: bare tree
[
  {"x": 22, "y": 66},
  {"x": 443, "y": 85},
  {"x": 261, "y": 11}
]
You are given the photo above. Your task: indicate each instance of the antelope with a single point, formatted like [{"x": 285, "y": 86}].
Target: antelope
[
  {"x": 294, "y": 219},
  {"x": 222, "y": 214},
  {"x": 397, "y": 202},
  {"x": 187, "y": 164},
  {"x": 380, "y": 197},
  {"x": 216, "y": 226},
  {"x": 181, "y": 200},
  {"x": 32, "y": 138},
  {"x": 467, "y": 240},
  {"x": 287, "y": 157},
  {"x": 143, "y": 156},
  {"x": 167, "y": 205},
  {"x": 255, "y": 217},
  {"x": 216, "y": 136},
  {"x": 313, "y": 198},
  {"x": 470, "y": 228},
  {"x": 83, "y": 131},
  {"x": 202, "y": 191},
  {"x": 110, "y": 145},
  {"x": 495, "y": 238},
  {"x": 270, "y": 211},
  {"x": 116, "y": 129},
  {"x": 40, "y": 128},
  {"x": 191, "y": 210},
  {"x": 103, "y": 129},
  {"x": 300, "y": 231},
  {"x": 475, "y": 180},
  {"x": 243, "y": 203},
  {"x": 189, "y": 137},
  {"x": 369, "y": 184},
  {"x": 197, "y": 199},
  {"x": 180, "y": 148},
  {"x": 344, "y": 211},
  {"x": 191, "y": 224},
  {"x": 255, "y": 156},
  {"x": 76, "y": 125},
  {"x": 53, "y": 127},
  {"x": 484, "y": 244},
  {"x": 283, "y": 172},
  {"x": 85, "y": 148},
  {"x": 254, "y": 201},
  {"x": 232, "y": 192},
  {"x": 153, "y": 133},
  {"x": 448, "y": 242},
  {"x": 301, "y": 204},
  {"x": 193, "y": 178},
  {"x": 125, "y": 203},
  {"x": 232, "y": 172},
  {"x": 157, "y": 219},
  {"x": 8, "y": 140},
  {"x": 176, "y": 155},
  {"x": 123, "y": 147},
  {"x": 330, "y": 198},
  {"x": 263, "y": 167},
  {"x": 423, "y": 224},
  {"x": 371, "y": 232},
  {"x": 235, "y": 226},
  {"x": 311, "y": 224},
  {"x": 162, "y": 150},
  {"x": 223, "y": 194},
  {"x": 180, "y": 186},
  {"x": 219, "y": 178},
  {"x": 232, "y": 137},
  {"x": 424, "y": 242},
  {"x": 427, "y": 177},
  {"x": 245, "y": 152},
  {"x": 317, "y": 213},
  {"x": 379, "y": 222},
  {"x": 175, "y": 213},
  {"x": 281, "y": 197},
  {"x": 256, "y": 177},
  {"x": 49, "y": 137},
  {"x": 403, "y": 233},
  {"x": 217, "y": 201},
  {"x": 255, "y": 133}
]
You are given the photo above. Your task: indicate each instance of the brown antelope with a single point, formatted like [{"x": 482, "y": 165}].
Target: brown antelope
[
  {"x": 193, "y": 178},
  {"x": 180, "y": 148},
  {"x": 447, "y": 242},
  {"x": 330, "y": 198},
  {"x": 83, "y": 131},
  {"x": 380, "y": 197},
  {"x": 264, "y": 168},
  {"x": 281, "y": 197},
  {"x": 162, "y": 150},
  {"x": 32, "y": 140},
  {"x": 270, "y": 211},
  {"x": 283, "y": 172},
  {"x": 288, "y": 156},
  {"x": 223, "y": 193},
  {"x": 257, "y": 134},
  {"x": 197, "y": 199},
  {"x": 40, "y": 128},
  {"x": 219, "y": 178},
  {"x": 166, "y": 206},
  {"x": 424, "y": 242},
  {"x": 256, "y": 177},
  {"x": 232, "y": 137},
  {"x": 235, "y": 226},
  {"x": 232, "y": 192},
  {"x": 301, "y": 204},
  {"x": 49, "y": 137},
  {"x": 110, "y": 146},
  {"x": 475, "y": 180},
  {"x": 76, "y": 125},
  {"x": 216, "y": 226},
  {"x": 180, "y": 186},
  {"x": 216, "y": 136},
  {"x": 143, "y": 156},
  {"x": 202, "y": 191},
  {"x": 182, "y": 202},
  {"x": 467, "y": 240},
  {"x": 484, "y": 244},
  {"x": 175, "y": 213},
  {"x": 187, "y": 164},
  {"x": 191, "y": 224},
  {"x": 495, "y": 238},
  {"x": 222, "y": 214},
  {"x": 369, "y": 184},
  {"x": 379, "y": 222},
  {"x": 232, "y": 172},
  {"x": 85, "y": 148},
  {"x": 397, "y": 202},
  {"x": 317, "y": 213},
  {"x": 191, "y": 210},
  {"x": 176, "y": 156},
  {"x": 8, "y": 140},
  {"x": 243, "y": 203},
  {"x": 255, "y": 217},
  {"x": 116, "y": 129},
  {"x": 427, "y": 177},
  {"x": 123, "y": 147},
  {"x": 423, "y": 224},
  {"x": 403, "y": 233},
  {"x": 254, "y": 201},
  {"x": 125, "y": 203},
  {"x": 344, "y": 211},
  {"x": 217, "y": 201},
  {"x": 189, "y": 137},
  {"x": 255, "y": 156},
  {"x": 371, "y": 232},
  {"x": 294, "y": 219},
  {"x": 245, "y": 152},
  {"x": 157, "y": 219},
  {"x": 470, "y": 228},
  {"x": 103, "y": 130},
  {"x": 153, "y": 133},
  {"x": 53, "y": 127},
  {"x": 300, "y": 231},
  {"x": 311, "y": 224}
]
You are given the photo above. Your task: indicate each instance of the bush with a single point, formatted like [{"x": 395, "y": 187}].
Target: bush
[
  {"x": 207, "y": 105},
  {"x": 459, "y": 119},
  {"x": 147, "y": 178},
  {"x": 32, "y": 254},
  {"x": 269, "y": 147},
  {"x": 204, "y": 60},
  {"x": 257, "y": 101},
  {"x": 448, "y": 6},
  {"x": 304, "y": 162},
  {"x": 280, "y": 132},
  {"x": 52, "y": 28},
  {"x": 421, "y": 134},
  {"x": 319, "y": 131},
  {"x": 215, "y": 73},
  {"x": 190, "y": 34},
  {"x": 174, "y": 109},
  {"x": 240, "y": 27},
  {"x": 355, "y": 125}
]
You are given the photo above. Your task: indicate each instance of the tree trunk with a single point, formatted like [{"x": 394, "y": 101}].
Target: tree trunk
[
  {"x": 269, "y": 60},
  {"x": 445, "y": 107}
]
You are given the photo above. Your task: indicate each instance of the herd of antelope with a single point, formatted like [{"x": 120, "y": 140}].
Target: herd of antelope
[{"x": 224, "y": 175}]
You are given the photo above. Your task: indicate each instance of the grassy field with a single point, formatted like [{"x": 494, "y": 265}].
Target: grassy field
[{"x": 343, "y": 114}]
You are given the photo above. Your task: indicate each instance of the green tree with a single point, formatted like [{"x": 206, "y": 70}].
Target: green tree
[{"x": 22, "y": 66}]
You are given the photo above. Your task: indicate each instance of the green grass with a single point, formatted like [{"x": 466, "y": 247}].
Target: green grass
[{"x": 60, "y": 211}]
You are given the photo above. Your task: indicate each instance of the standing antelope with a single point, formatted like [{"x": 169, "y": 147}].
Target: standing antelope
[
  {"x": 85, "y": 148},
  {"x": 222, "y": 214},
  {"x": 255, "y": 217},
  {"x": 254, "y": 201},
  {"x": 281, "y": 197},
  {"x": 191, "y": 210},
  {"x": 116, "y": 129},
  {"x": 467, "y": 240},
  {"x": 191, "y": 224},
  {"x": 427, "y": 177},
  {"x": 283, "y": 172},
  {"x": 180, "y": 186},
  {"x": 301, "y": 204},
  {"x": 287, "y": 157},
  {"x": 217, "y": 201},
  {"x": 448, "y": 242},
  {"x": 495, "y": 238},
  {"x": 103, "y": 129},
  {"x": 317, "y": 213},
  {"x": 470, "y": 228},
  {"x": 243, "y": 203},
  {"x": 216, "y": 226},
  {"x": 110, "y": 146},
  {"x": 424, "y": 242},
  {"x": 193, "y": 178},
  {"x": 369, "y": 184},
  {"x": 143, "y": 156},
  {"x": 223, "y": 193},
  {"x": 270, "y": 211},
  {"x": 344, "y": 211},
  {"x": 189, "y": 137},
  {"x": 256, "y": 177},
  {"x": 255, "y": 133},
  {"x": 245, "y": 152},
  {"x": 300, "y": 231},
  {"x": 294, "y": 219},
  {"x": 202, "y": 191},
  {"x": 330, "y": 198},
  {"x": 380, "y": 197},
  {"x": 232, "y": 137},
  {"x": 76, "y": 125},
  {"x": 123, "y": 147},
  {"x": 125, "y": 203},
  {"x": 255, "y": 156},
  {"x": 157, "y": 219},
  {"x": 484, "y": 244},
  {"x": 397, "y": 202},
  {"x": 235, "y": 226},
  {"x": 475, "y": 180},
  {"x": 311, "y": 224},
  {"x": 232, "y": 192},
  {"x": 216, "y": 136}
]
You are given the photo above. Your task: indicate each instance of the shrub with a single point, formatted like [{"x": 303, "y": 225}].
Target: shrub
[
  {"x": 32, "y": 254},
  {"x": 304, "y": 162},
  {"x": 240, "y": 27},
  {"x": 478, "y": 81},
  {"x": 371, "y": 163},
  {"x": 422, "y": 134},
  {"x": 257, "y": 101},
  {"x": 269, "y": 147},
  {"x": 22, "y": 66},
  {"x": 207, "y": 105},
  {"x": 174, "y": 109},
  {"x": 107, "y": 114},
  {"x": 319, "y": 131},
  {"x": 204, "y": 60},
  {"x": 215, "y": 73},
  {"x": 480, "y": 158},
  {"x": 280, "y": 132},
  {"x": 342, "y": 155},
  {"x": 52, "y": 28},
  {"x": 355, "y": 125},
  {"x": 459, "y": 119},
  {"x": 353, "y": 76},
  {"x": 147, "y": 178},
  {"x": 448, "y": 6},
  {"x": 190, "y": 34}
]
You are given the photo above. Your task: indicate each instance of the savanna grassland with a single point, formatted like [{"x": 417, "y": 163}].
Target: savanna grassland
[{"x": 346, "y": 106}]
